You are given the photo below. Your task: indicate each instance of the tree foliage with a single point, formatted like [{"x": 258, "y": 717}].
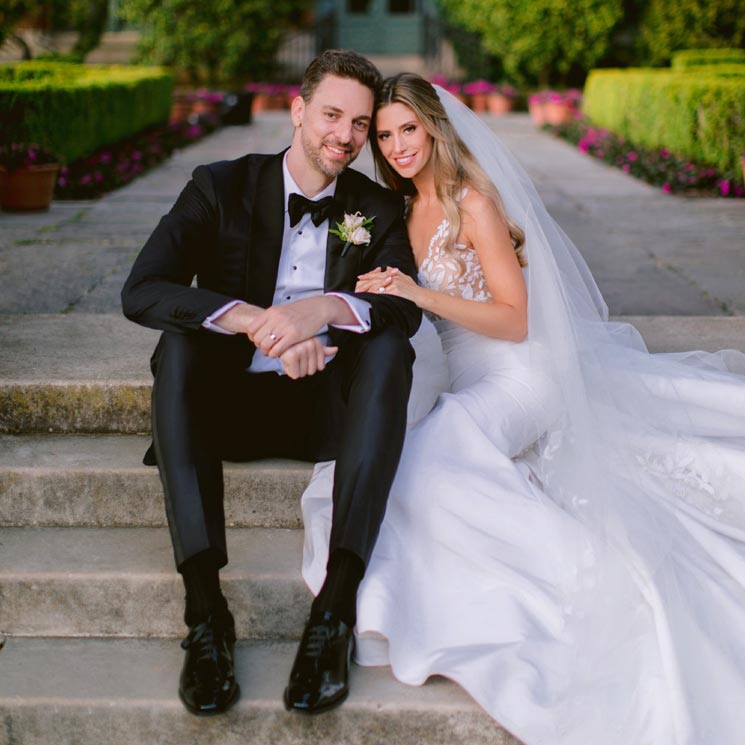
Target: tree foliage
[
  {"x": 11, "y": 12},
  {"x": 87, "y": 17},
  {"x": 541, "y": 40},
  {"x": 214, "y": 41},
  {"x": 691, "y": 24}
]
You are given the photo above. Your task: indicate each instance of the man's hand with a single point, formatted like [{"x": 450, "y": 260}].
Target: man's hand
[
  {"x": 306, "y": 358},
  {"x": 238, "y": 318},
  {"x": 277, "y": 329}
]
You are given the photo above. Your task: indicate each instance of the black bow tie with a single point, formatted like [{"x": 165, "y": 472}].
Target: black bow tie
[{"x": 319, "y": 210}]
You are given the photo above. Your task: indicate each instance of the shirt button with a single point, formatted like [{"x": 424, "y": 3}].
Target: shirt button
[
  {"x": 299, "y": 232},
  {"x": 294, "y": 268},
  {"x": 289, "y": 297}
]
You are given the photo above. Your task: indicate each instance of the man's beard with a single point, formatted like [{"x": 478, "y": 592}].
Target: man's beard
[{"x": 314, "y": 153}]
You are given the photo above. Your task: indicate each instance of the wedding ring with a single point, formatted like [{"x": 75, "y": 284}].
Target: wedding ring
[
  {"x": 381, "y": 289},
  {"x": 273, "y": 336}
]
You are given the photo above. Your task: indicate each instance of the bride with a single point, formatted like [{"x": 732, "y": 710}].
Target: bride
[{"x": 565, "y": 537}]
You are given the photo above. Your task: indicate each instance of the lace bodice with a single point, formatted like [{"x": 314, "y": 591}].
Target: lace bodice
[{"x": 441, "y": 271}]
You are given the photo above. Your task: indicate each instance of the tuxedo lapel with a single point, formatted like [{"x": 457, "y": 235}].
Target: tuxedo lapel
[
  {"x": 265, "y": 234},
  {"x": 342, "y": 271}
]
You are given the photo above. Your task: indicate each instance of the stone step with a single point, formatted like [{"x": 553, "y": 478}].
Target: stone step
[
  {"x": 121, "y": 582},
  {"x": 89, "y": 372},
  {"x": 99, "y": 481},
  {"x": 123, "y": 692}
]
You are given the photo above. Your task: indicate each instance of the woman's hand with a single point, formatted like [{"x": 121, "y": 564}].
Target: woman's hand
[{"x": 390, "y": 281}]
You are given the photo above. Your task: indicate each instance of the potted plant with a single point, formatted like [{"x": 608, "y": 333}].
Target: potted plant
[
  {"x": 208, "y": 102},
  {"x": 181, "y": 107},
  {"x": 27, "y": 176},
  {"x": 478, "y": 92},
  {"x": 501, "y": 99},
  {"x": 560, "y": 108}
]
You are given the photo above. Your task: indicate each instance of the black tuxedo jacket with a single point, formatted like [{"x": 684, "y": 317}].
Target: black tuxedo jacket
[{"x": 226, "y": 230}]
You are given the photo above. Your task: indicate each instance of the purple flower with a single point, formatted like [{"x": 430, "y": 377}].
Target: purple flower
[
  {"x": 105, "y": 157},
  {"x": 62, "y": 181},
  {"x": 724, "y": 187},
  {"x": 739, "y": 191},
  {"x": 137, "y": 155},
  {"x": 86, "y": 179},
  {"x": 631, "y": 156},
  {"x": 626, "y": 167},
  {"x": 666, "y": 188}
]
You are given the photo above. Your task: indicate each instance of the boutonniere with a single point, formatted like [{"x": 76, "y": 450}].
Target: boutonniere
[{"x": 354, "y": 231}]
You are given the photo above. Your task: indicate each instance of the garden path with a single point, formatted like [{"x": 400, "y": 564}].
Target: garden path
[{"x": 651, "y": 253}]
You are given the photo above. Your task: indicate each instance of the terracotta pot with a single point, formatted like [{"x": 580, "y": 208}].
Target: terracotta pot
[
  {"x": 278, "y": 101},
  {"x": 499, "y": 104},
  {"x": 260, "y": 102},
  {"x": 558, "y": 112},
  {"x": 206, "y": 107},
  {"x": 180, "y": 110},
  {"x": 478, "y": 102},
  {"x": 537, "y": 111},
  {"x": 28, "y": 188},
  {"x": 269, "y": 102}
]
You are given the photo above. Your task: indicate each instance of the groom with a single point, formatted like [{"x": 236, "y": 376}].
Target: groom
[{"x": 271, "y": 353}]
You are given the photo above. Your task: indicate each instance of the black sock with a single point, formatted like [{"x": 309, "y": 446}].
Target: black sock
[
  {"x": 344, "y": 572},
  {"x": 204, "y": 597}
]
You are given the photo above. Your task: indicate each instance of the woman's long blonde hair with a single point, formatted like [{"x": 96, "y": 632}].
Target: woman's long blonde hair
[{"x": 452, "y": 163}]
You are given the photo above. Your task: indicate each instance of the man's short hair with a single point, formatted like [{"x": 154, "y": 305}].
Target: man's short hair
[{"x": 344, "y": 63}]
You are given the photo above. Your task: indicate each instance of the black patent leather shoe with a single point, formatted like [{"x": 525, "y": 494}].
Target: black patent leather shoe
[
  {"x": 207, "y": 684},
  {"x": 319, "y": 680}
]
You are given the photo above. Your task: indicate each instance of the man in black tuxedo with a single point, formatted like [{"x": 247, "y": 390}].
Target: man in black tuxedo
[{"x": 271, "y": 353}]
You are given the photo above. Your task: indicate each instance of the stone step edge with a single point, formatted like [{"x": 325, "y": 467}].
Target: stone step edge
[
  {"x": 99, "y": 481},
  {"x": 33, "y": 405},
  {"x": 122, "y": 582},
  {"x": 71, "y": 691}
]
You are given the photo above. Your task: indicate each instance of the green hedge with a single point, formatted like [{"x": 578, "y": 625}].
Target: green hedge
[
  {"x": 700, "y": 115},
  {"x": 75, "y": 109},
  {"x": 699, "y": 57}
]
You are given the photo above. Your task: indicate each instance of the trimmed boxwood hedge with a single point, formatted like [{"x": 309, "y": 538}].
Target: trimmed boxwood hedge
[
  {"x": 699, "y": 114},
  {"x": 74, "y": 109},
  {"x": 698, "y": 57}
]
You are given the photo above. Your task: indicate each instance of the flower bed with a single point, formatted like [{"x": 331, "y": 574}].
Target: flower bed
[
  {"x": 658, "y": 166},
  {"x": 113, "y": 166}
]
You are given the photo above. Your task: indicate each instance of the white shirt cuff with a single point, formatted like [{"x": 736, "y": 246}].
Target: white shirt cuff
[
  {"x": 209, "y": 322},
  {"x": 361, "y": 310}
]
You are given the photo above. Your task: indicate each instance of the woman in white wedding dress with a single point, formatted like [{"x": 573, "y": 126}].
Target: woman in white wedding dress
[{"x": 565, "y": 536}]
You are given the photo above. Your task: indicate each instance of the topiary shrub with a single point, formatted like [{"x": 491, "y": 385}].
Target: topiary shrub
[
  {"x": 73, "y": 109},
  {"x": 704, "y": 57},
  {"x": 700, "y": 115}
]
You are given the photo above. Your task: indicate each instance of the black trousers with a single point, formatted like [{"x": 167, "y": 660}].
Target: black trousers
[{"x": 205, "y": 411}]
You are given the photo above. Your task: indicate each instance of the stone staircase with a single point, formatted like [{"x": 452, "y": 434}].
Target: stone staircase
[{"x": 89, "y": 600}]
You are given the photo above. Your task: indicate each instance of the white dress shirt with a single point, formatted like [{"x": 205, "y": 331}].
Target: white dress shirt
[{"x": 301, "y": 272}]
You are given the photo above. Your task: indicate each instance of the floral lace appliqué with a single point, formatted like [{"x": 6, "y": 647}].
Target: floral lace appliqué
[{"x": 441, "y": 271}]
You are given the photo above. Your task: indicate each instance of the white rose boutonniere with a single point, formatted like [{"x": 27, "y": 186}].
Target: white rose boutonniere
[{"x": 354, "y": 231}]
